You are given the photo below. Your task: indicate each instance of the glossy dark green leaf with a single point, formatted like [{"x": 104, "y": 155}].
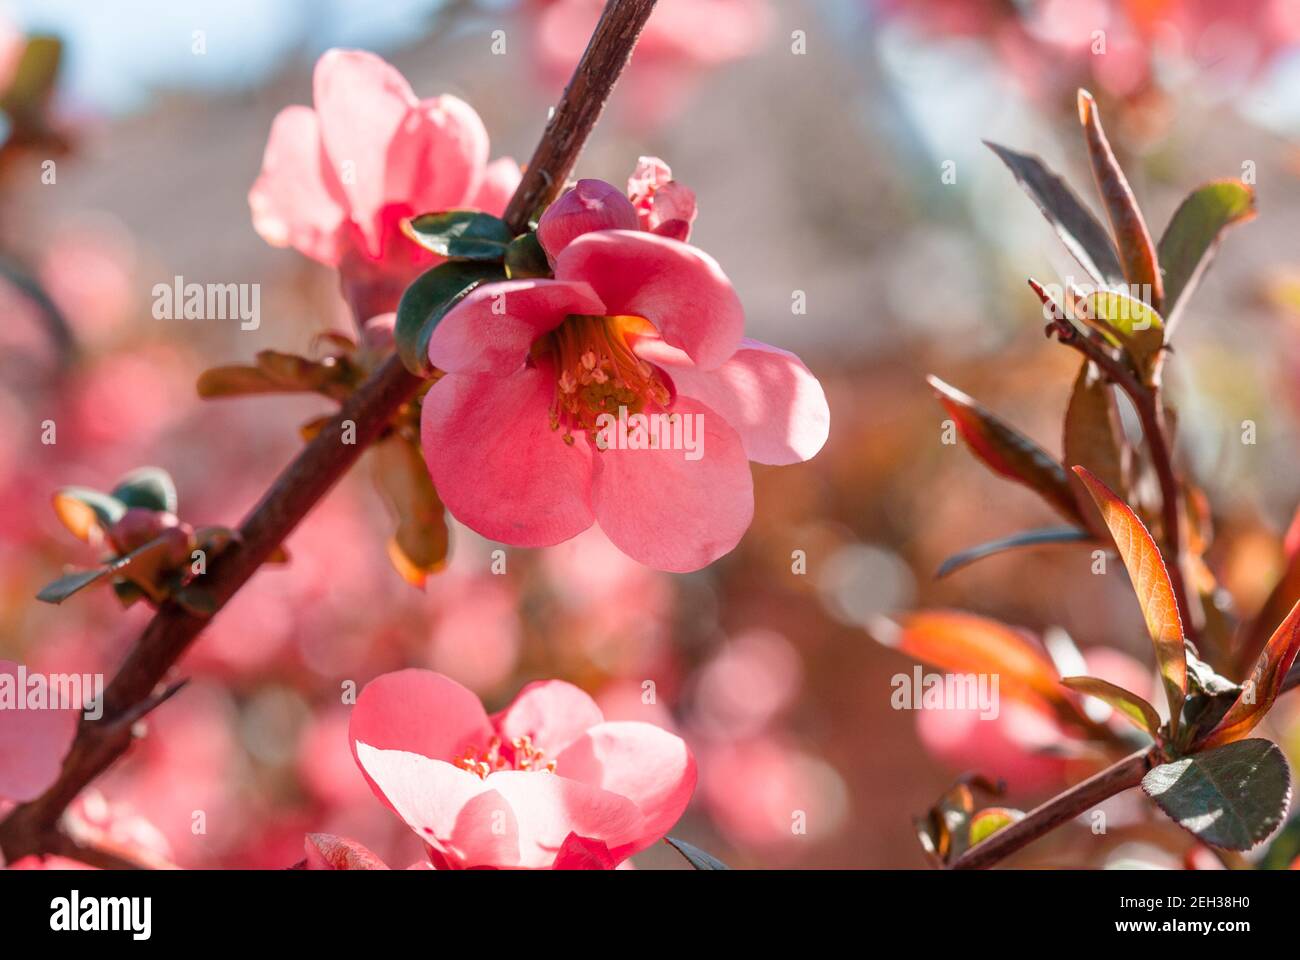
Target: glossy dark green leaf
[
  {"x": 1082, "y": 233},
  {"x": 1232, "y": 796},
  {"x": 696, "y": 857},
  {"x": 141, "y": 565},
  {"x": 1026, "y": 538},
  {"x": 149, "y": 487},
  {"x": 461, "y": 234},
  {"x": 1193, "y": 235},
  {"x": 427, "y": 300},
  {"x": 526, "y": 258}
]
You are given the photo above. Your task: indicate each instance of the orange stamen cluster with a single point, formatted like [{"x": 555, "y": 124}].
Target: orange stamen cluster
[
  {"x": 524, "y": 756},
  {"x": 597, "y": 373}
]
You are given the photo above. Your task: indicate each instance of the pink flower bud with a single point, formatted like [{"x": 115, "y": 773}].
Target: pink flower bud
[
  {"x": 139, "y": 525},
  {"x": 663, "y": 205},
  {"x": 591, "y": 205}
]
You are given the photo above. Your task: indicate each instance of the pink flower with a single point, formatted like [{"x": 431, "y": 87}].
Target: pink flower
[
  {"x": 519, "y": 433},
  {"x": 32, "y": 741},
  {"x": 338, "y": 180},
  {"x": 546, "y": 782}
]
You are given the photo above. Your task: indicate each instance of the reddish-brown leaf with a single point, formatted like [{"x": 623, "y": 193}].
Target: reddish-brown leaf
[
  {"x": 1008, "y": 452},
  {"x": 1259, "y": 692},
  {"x": 1254, "y": 634},
  {"x": 965, "y": 643},
  {"x": 1146, "y": 569},
  {"x": 1136, "y": 251},
  {"x": 1093, "y": 434}
]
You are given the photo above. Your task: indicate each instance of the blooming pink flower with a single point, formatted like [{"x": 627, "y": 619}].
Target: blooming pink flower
[
  {"x": 338, "y": 180},
  {"x": 546, "y": 782},
  {"x": 32, "y": 744},
  {"x": 636, "y": 323}
]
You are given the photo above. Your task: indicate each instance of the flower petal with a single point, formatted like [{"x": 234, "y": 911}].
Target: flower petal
[
  {"x": 647, "y": 764},
  {"x": 547, "y": 808},
  {"x": 767, "y": 395},
  {"x": 591, "y": 205},
  {"x": 292, "y": 202},
  {"x": 497, "y": 464},
  {"x": 678, "y": 288},
  {"x": 438, "y": 158},
  {"x": 674, "y": 513},
  {"x": 492, "y": 329},
  {"x": 551, "y": 713},
  {"x": 363, "y": 104},
  {"x": 421, "y": 712},
  {"x": 500, "y": 180},
  {"x": 583, "y": 853},
  {"x": 328, "y": 852},
  {"x": 432, "y": 797},
  {"x": 32, "y": 744}
]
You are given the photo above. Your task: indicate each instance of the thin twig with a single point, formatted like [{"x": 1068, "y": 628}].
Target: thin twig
[
  {"x": 1064, "y": 807},
  {"x": 32, "y": 827}
]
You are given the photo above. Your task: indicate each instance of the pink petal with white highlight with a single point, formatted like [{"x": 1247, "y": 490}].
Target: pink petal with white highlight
[{"x": 421, "y": 712}]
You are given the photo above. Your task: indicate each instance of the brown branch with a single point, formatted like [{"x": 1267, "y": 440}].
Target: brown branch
[
  {"x": 1064, "y": 807},
  {"x": 1155, "y": 431},
  {"x": 32, "y": 827}
]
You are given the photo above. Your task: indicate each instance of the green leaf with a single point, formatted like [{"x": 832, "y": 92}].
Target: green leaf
[
  {"x": 1133, "y": 708},
  {"x": 696, "y": 857},
  {"x": 1127, "y": 323},
  {"x": 1193, "y": 235},
  {"x": 427, "y": 300},
  {"x": 461, "y": 234},
  {"x": 1232, "y": 796},
  {"x": 1080, "y": 231},
  {"x": 526, "y": 258},
  {"x": 1026, "y": 538},
  {"x": 1008, "y": 452},
  {"x": 149, "y": 487},
  {"x": 990, "y": 820}
]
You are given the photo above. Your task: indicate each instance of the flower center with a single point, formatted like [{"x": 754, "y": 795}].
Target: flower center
[
  {"x": 522, "y": 755},
  {"x": 597, "y": 373}
]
